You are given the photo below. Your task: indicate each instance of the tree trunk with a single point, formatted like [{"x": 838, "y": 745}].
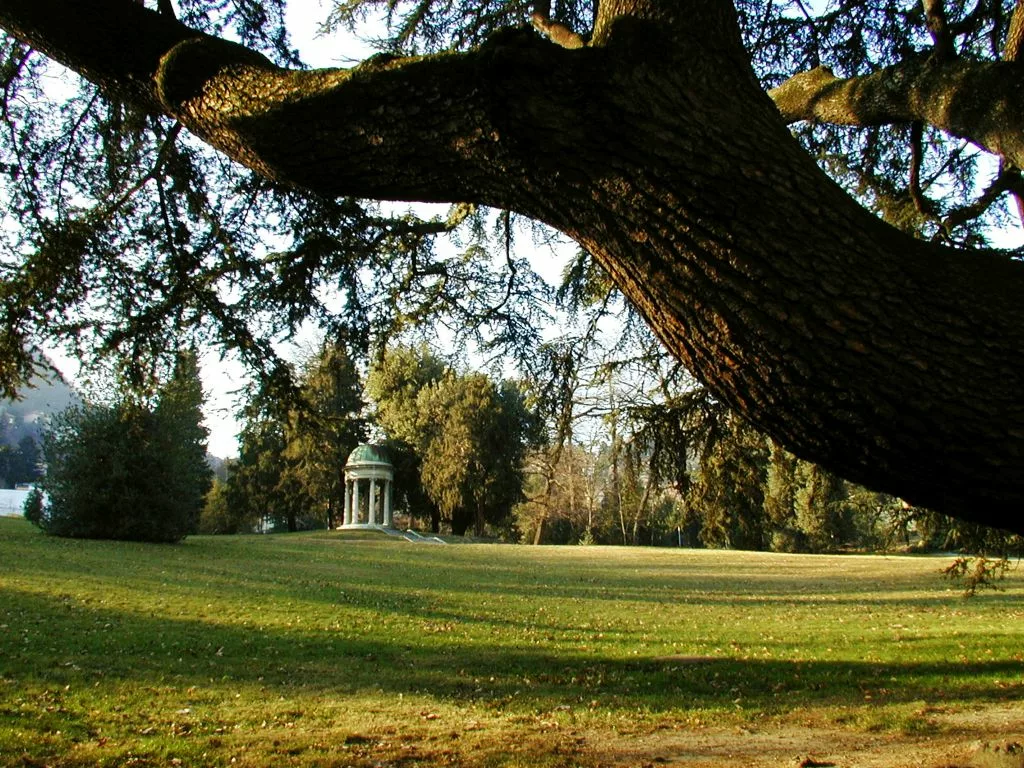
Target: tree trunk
[
  {"x": 641, "y": 508},
  {"x": 479, "y": 523},
  {"x": 892, "y": 362},
  {"x": 616, "y": 480},
  {"x": 460, "y": 524},
  {"x": 573, "y": 511},
  {"x": 550, "y": 467}
]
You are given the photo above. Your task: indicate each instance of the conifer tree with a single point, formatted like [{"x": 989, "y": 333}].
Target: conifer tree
[
  {"x": 728, "y": 492},
  {"x": 128, "y": 470},
  {"x": 324, "y": 426},
  {"x": 780, "y": 501}
]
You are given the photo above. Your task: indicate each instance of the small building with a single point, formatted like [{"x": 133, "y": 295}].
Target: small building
[{"x": 369, "y": 489}]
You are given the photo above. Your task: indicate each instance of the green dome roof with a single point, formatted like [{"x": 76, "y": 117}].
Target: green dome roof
[{"x": 368, "y": 454}]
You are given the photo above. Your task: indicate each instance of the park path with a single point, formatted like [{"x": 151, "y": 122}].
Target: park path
[{"x": 956, "y": 741}]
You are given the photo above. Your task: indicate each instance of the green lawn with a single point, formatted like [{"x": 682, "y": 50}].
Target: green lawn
[{"x": 332, "y": 649}]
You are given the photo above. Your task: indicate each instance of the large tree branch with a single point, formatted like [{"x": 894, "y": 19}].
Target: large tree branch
[
  {"x": 978, "y": 101},
  {"x": 1015, "y": 34},
  {"x": 427, "y": 129},
  {"x": 452, "y": 127},
  {"x": 379, "y": 130},
  {"x": 85, "y": 39}
]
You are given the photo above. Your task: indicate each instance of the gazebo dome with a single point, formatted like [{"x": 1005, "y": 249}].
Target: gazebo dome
[{"x": 367, "y": 454}]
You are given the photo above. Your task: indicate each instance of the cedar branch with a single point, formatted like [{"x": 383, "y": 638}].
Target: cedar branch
[{"x": 977, "y": 101}]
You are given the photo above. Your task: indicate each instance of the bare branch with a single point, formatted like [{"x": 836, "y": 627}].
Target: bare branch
[
  {"x": 916, "y": 158},
  {"x": 165, "y": 149},
  {"x": 813, "y": 26},
  {"x": 68, "y": 151},
  {"x": 1008, "y": 180}
]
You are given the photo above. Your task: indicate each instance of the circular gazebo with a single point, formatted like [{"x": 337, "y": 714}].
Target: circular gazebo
[{"x": 369, "y": 488}]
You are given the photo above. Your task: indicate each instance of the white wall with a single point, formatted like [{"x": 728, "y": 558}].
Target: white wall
[{"x": 12, "y": 502}]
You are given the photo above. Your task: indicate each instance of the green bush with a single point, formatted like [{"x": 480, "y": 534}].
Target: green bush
[
  {"x": 128, "y": 471},
  {"x": 33, "y": 507}
]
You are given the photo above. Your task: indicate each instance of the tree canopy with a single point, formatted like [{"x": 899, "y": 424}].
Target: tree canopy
[
  {"x": 468, "y": 435},
  {"x": 879, "y": 336}
]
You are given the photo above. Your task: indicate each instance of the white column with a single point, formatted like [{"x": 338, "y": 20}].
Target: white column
[
  {"x": 373, "y": 501},
  {"x": 388, "y": 510},
  {"x": 346, "y": 515},
  {"x": 355, "y": 501}
]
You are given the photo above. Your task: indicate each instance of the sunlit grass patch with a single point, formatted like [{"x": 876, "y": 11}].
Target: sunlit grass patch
[{"x": 358, "y": 649}]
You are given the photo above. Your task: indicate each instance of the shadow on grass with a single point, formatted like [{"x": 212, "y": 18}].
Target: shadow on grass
[{"x": 53, "y": 642}]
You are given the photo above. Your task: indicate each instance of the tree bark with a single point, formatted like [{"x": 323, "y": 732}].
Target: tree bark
[
  {"x": 892, "y": 362},
  {"x": 977, "y": 101}
]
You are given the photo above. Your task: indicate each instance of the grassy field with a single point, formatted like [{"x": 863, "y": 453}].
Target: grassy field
[{"x": 331, "y": 649}]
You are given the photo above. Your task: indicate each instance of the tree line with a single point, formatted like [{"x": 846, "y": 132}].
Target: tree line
[
  {"x": 456, "y": 440},
  {"x": 739, "y": 490},
  {"x": 686, "y": 471},
  {"x": 606, "y": 461}
]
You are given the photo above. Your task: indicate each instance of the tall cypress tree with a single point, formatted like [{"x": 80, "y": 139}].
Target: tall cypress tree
[
  {"x": 324, "y": 428},
  {"x": 180, "y": 436}
]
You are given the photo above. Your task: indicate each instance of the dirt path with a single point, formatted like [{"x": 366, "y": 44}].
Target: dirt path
[{"x": 954, "y": 740}]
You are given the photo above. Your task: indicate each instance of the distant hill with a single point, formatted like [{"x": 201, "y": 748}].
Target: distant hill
[
  {"x": 39, "y": 400},
  {"x": 28, "y": 416},
  {"x": 218, "y": 466}
]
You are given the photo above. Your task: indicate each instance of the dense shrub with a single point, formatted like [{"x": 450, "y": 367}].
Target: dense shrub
[{"x": 128, "y": 471}]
